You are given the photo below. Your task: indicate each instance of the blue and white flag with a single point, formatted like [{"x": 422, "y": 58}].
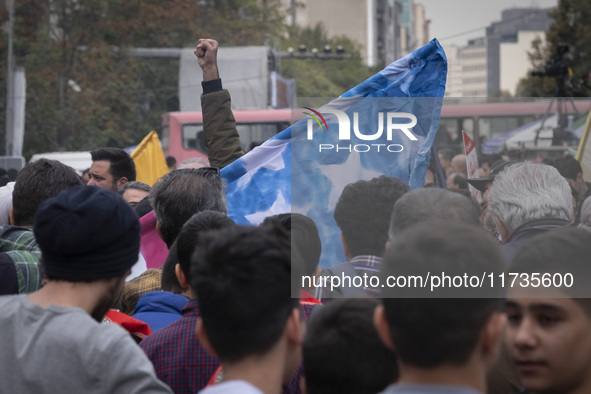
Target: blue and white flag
[{"x": 383, "y": 126}]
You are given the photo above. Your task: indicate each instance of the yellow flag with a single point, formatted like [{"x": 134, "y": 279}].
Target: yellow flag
[{"x": 149, "y": 160}]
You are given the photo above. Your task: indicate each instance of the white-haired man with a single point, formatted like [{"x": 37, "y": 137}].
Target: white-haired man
[{"x": 527, "y": 199}]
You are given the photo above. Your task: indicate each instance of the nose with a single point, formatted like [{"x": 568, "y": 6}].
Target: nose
[
  {"x": 524, "y": 334},
  {"x": 91, "y": 182}
]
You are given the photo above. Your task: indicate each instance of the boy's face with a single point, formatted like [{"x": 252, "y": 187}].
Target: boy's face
[{"x": 549, "y": 339}]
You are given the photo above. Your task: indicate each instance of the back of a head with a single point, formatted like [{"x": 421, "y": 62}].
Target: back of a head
[
  {"x": 242, "y": 278},
  {"x": 306, "y": 246},
  {"x": 36, "y": 182},
  {"x": 567, "y": 166},
  {"x": 191, "y": 231},
  {"x": 563, "y": 251},
  {"x": 343, "y": 330},
  {"x": 528, "y": 191},
  {"x": 439, "y": 327},
  {"x": 180, "y": 194},
  {"x": 420, "y": 205},
  {"x": 87, "y": 233},
  {"x": 122, "y": 164},
  {"x": 363, "y": 213}
]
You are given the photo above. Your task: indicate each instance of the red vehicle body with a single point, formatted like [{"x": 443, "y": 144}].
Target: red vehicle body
[{"x": 182, "y": 133}]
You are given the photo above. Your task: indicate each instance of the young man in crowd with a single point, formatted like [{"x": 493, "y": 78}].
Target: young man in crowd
[
  {"x": 447, "y": 340},
  {"x": 242, "y": 277},
  {"x": 549, "y": 324},
  {"x": 89, "y": 238},
  {"x": 111, "y": 168},
  {"x": 343, "y": 330}
]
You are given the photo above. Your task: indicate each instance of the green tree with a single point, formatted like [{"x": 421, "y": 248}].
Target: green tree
[
  {"x": 323, "y": 78},
  {"x": 571, "y": 27},
  {"x": 83, "y": 92}
]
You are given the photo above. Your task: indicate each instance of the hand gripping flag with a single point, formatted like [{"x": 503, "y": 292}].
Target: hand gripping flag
[{"x": 383, "y": 126}]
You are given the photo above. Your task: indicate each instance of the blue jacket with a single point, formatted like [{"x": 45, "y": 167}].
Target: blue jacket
[{"x": 159, "y": 308}]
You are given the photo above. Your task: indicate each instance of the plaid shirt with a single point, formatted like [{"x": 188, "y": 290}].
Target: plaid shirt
[
  {"x": 182, "y": 363},
  {"x": 370, "y": 265},
  {"x": 20, "y": 245},
  {"x": 178, "y": 357},
  {"x": 150, "y": 280}
]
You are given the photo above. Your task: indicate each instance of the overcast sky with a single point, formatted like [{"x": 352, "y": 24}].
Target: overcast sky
[{"x": 454, "y": 17}]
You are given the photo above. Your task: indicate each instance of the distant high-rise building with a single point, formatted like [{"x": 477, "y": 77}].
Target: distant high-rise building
[
  {"x": 513, "y": 21},
  {"x": 474, "y": 68}
]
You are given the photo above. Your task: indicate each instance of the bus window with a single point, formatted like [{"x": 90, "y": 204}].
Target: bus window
[
  {"x": 193, "y": 137},
  {"x": 256, "y": 132}
]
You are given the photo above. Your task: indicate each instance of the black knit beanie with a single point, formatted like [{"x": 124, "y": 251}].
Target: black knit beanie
[{"x": 87, "y": 233}]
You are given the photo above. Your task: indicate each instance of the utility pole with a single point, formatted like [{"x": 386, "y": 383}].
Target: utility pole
[{"x": 9, "y": 133}]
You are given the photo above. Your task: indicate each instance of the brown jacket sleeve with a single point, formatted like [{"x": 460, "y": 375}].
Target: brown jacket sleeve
[{"x": 219, "y": 127}]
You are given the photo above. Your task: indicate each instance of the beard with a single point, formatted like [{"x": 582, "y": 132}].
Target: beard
[{"x": 108, "y": 300}]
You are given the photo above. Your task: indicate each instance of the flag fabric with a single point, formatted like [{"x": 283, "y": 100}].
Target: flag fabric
[
  {"x": 305, "y": 168},
  {"x": 149, "y": 160}
]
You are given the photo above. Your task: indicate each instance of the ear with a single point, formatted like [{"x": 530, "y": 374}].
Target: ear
[
  {"x": 579, "y": 177},
  {"x": 121, "y": 181},
  {"x": 345, "y": 248},
  {"x": 381, "y": 325},
  {"x": 294, "y": 328},
  {"x": 158, "y": 230},
  {"x": 388, "y": 243},
  {"x": 180, "y": 276},
  {"x": 491, "y": 335},
  {"x": 11, "y": 216},
  {"x": 202, "y": 335}
]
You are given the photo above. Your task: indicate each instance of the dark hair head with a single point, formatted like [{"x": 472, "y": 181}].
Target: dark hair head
[
  {"x": 560, "y": 251},
  {"x": 430, "y": 332},
  {"x": 363, "y": 212},
  {"x": 420, "y": 205},
  {"x": 169, "y": 281},
  {"x": 460, "y": 180},
  {"x": 306, "y": 246},
  {"x": 180, "y": 194},
  {"x": 35, "y": 183},
  {"x": 189, "y": 235},
  {"x": 343, "y": 330},
  {"x": 567, "y": 166},
  {"x": 122, "y": 164},
  {"x": 242, "y": 278},
  {"x": 170, "y": 161}
]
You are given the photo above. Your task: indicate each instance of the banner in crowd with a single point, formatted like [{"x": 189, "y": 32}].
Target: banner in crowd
[
  {"x": 305, "y": 168},
  {"x": 149, "y": 160}
]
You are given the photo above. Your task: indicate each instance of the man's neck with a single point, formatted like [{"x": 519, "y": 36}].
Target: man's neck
[
  {"x": 264, "y": 372},
  {"x": 65, "y": 294},
  {"x": 469, "y": 376}
]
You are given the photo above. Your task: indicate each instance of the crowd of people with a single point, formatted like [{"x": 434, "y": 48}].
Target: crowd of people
[{"x": 113, "y": 286}]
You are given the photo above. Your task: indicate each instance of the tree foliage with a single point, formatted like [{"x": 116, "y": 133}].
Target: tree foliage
[
  {"x": 83, "y": 92},
  {"x": 571, "y": 27},
  {"x": 322, "y": 78}
]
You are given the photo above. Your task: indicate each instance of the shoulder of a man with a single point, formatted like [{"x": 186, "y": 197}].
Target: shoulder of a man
[{"x": 17, "y": 238}]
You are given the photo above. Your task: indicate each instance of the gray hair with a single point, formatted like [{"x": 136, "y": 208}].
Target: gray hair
[
  {"x": 135, "y": 185},
  {"x": 424, "y": 204},
  {"x": 528, "y": 191},
  {"x": 194, "y": 162},
  {"x": 180, "y": 194}
]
